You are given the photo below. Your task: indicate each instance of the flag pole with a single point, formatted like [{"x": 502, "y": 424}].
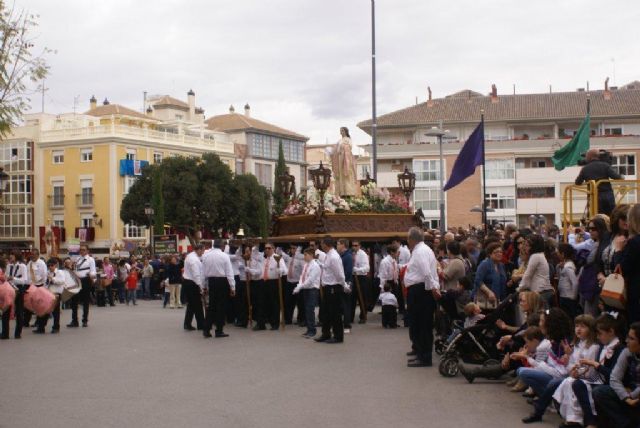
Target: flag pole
[
  {"x": 589, "y": 106},
  {"x": 484, "y": 177}
]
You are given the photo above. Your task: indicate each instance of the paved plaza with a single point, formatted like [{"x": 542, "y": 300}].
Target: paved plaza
[{"x": 137, "y": 367}]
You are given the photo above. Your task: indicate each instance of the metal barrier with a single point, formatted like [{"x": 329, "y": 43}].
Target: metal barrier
[{"x": 621, "y": 188}]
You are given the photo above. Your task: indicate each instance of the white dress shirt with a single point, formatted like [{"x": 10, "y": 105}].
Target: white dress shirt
[
  {"x": 272, "y": 269},
  {"x": 387, "y": 298},
  {"x": 422, "y": 268},
  {"x": 216, "y": 264},
  {"x": 37, "y": 272},
  {"x": 310, "y": 277},
  {"x": 361, "y": 263},
  {"x": 294, "y": 265},
  {"x": 19, "y": 273},
  {"x": 193, "y": 270},
  {"x": 332, "y": 270},
  {"x": 56, "y": 281},
  {"x": 236, "y": 258},
  {"x": 320, "y": 255},
  {"x": 86, "y": 266},
  {"x": 403, "y": 255},
  {"x": 388, "y": 270}
]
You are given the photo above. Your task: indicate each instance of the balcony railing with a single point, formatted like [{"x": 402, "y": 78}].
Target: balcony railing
[
  {"x": 56, "y": 201},
  {"x": 84, "y": 200}
]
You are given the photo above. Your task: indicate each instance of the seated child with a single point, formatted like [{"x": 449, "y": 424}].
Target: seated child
[
  {"x": 389, "y": 307},
  {"x": 473, "y": 314}
]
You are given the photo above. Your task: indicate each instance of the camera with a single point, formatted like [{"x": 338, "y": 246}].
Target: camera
[{"x": 603, "y": 155}]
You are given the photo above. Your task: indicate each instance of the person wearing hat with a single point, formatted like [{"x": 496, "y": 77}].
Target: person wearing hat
[{"x": 55, "y": 283}]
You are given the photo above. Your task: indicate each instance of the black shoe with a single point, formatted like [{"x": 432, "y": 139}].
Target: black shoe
[
  {"x": 419, "y": 363},
  {"x": 322, "y": 339},
  {"x": 532, "y": 401},
  {"x": 206, "y": 334},
  {"x": 4, "y": 337},
  {"x": 189, "y": 327},
  {"x": 73, "y": 324},
  {"x": 222, "y": 334},
  {"x": 259, "y": 328},
  {"x": 85, "y": 323},
  {"x": 412, "y": 354},
  {"x": 55, "y": 330},
  {"x": 532, "y": 418},
  {"x": 334, "y": 340},
  {"x": 275, "y": 327},
  {"x": 17, "y": 337},
  {"x": 38, "y": 331},
  {"x": 362, "y": 321}
]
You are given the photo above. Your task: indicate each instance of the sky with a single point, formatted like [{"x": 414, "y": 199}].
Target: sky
[{"x": 306, "y": 64}]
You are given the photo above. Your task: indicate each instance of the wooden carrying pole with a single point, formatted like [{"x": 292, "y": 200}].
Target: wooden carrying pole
[
  {"x": 248, "y": 289},
  {"x": 363, "y": 309},
  {"x": 280, "y": 291}
]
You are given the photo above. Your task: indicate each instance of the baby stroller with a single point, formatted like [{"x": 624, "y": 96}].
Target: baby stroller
[
  {"x": 476, "y": 344},
  {"x": 446, "y": 322}
]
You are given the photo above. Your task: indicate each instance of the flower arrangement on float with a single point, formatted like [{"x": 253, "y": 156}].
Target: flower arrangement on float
[{"x": 373, "y": 200}]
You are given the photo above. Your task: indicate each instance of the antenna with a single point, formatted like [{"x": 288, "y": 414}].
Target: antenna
[
  {"x": 43, "y": 89},
  {"x": 75, "y": 103},
  {"x": 144, "y": 101}
]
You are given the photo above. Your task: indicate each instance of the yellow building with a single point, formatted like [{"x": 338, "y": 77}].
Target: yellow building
[{"x": 71, "y": 171}]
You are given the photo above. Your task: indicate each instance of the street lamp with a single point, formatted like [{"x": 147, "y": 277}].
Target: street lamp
[
  {"x": 439, "y": 133},
  {"x": 407, "y": 182},
  {"x": 365, "y": 181},
  {"x": 3, "y": 177},
  {"x": 321, "y": 177},
  {"x": 287, "y": 184},
  {"x": 149, "y": 212}
]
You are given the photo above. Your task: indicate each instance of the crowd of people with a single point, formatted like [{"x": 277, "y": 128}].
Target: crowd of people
[{"x": 561, "y": 342}]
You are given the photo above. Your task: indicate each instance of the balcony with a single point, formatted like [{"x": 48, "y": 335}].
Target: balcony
[
  {"x": 84, "y": 200},
  {"x": 56, "y": 202}
]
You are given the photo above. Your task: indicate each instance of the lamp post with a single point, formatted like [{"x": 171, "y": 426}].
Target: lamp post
[
  {"x": 149, "y": 212},
  {"x": 287, "y": 184},
  {"x": 3, "y": 177},
  {"x": 407, "y": 182},
  {"x": 321, "y": 177},
  {"x": 439, "y": 133}
]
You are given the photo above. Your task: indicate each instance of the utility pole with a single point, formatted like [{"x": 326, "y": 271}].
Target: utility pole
[{"x": 374, "y": 121}]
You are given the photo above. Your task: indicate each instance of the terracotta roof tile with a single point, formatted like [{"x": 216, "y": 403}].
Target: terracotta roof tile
[
  {"x": 166, "y": 100},
  {"x": 240, "y": 122},
  {"x": 117, "y": 110},
  {"x": 525, "y": 107}
]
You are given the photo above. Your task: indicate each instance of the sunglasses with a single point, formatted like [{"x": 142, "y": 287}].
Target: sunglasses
[{"x": 268, "y": 248}]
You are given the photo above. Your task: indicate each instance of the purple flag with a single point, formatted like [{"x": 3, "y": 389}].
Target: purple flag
[{"x": 471, "y": 155}]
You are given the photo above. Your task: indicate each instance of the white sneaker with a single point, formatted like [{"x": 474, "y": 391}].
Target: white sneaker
[{"x": 347, "y": 330}]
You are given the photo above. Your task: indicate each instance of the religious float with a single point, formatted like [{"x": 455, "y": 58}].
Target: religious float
[{"x": 343, "y": 207}]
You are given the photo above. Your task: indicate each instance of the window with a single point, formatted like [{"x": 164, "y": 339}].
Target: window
[
  {"x": 263, "y": 174},
  {"x": 427, "y": 198},
  {"x": 536, "y": 192},
  {"x": 131, "y": 230},
  {"x": 179, "y": 117},
  {"x": 18, "y": 188},
  {"x": 500, "y": 169},
  {"x": 86, "y": 220},
  {"x": 86, "y": 155},
  {"x": 538, "y": 164},
  {"x": 16, "y": 222},
  {"x": 16, "y": 156},
  {"x": 58, "y": 156},
  {"x": 613, "y": 131},
  {"x": 57, "y": 220},
  {"x": 157, "y": 157},
  {"x": 364, "y": 170},
  {"x": 267, "y": 147},
  {"x": 427, "y": 170},
  {"x": 128, "y": 182},
  {"x": 500, "y": 198},
  {"x": 86, "y": 195},
  {"x": 131, "y": 154},
  {"x": 58, "y": 194},
  {"x": 624, "y": 164},
  {"x": 239, "y": 166}
]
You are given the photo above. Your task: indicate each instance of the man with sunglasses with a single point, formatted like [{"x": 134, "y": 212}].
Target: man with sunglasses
[
  {"x": 269, "y": 301},
  {"x": 361, "y": 268},
  {"x": 333, "y": 285}
]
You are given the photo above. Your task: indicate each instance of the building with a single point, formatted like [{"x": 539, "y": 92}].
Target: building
[
  {"x": 71, "y": 171},
  {"x": 256, "y": 145},
  {"x": 521, "y": 131}
]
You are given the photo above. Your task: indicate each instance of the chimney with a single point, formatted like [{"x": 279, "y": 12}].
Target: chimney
[
  {"x": 429, "y": 97},
  {"x": 93, "y": 103},
  {"x": 105, "y": 102},
  {"x": 494, "y": 93},
  {"x": 149, "y": 111},
  {"x": 429, "y": 91},
  {"x": 199, "y": 115},
  {"x": 607, "y": 92},
  {"x": 232, "y": 109},
  {"x": 191, "y": 97},
  {"x": 247, "y": 110}
]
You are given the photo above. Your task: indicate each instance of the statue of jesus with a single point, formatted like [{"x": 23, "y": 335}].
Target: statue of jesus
[{"x": 343, "y": 166}]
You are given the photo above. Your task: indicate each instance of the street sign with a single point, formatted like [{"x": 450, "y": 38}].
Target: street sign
[{"x": 165, "y": 244}]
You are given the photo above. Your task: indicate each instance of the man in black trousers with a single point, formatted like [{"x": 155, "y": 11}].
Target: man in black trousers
[
  {"x": 221, "y": 284},
  {"x": 333, "y": 287},
  {"x": 192, "y": 288}
]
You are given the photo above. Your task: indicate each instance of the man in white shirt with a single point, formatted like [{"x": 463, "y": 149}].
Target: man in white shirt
[
  {"x": 294, "y": 262},
  {"x": 220, "y": 284},
  {"x": 421, "y": 280},
  {"x": 239, "y": 301},
  {"x": 17, "y": 275},
  {"x": 333, "y": 286},
  {"x": 37, "y": 270},
  {"x": 86, "y": 272},
  {"x": 273, "y": 269},
  {"x": 309, "y": 284},
  {"x": 389, "y": 273},
  {"x": 361, "y": 268},
  {"x": 192, "y": 287},
  {"x": 403, "y": 252},
  {"x": 55, "y": 282},
  {"x": 318, "y": 253}
]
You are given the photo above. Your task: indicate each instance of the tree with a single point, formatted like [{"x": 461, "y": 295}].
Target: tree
[
  {"x": 279, "y": 202},
  {"x": 252, "y": 212},
  {"x": 157, "y": 202},
  {"x": 18, "y": 64}
]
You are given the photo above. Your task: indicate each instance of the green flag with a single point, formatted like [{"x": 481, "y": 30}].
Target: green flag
[{"x": 572, "y": 151}]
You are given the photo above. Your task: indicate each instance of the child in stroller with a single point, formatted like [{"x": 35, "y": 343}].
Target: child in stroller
[
  {"x": 450, "y": 313},
  {"x": 476, "y": 344}
]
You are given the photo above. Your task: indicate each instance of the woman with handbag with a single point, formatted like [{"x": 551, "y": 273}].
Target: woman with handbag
[
  {"x": 490, "y": 285},
  {"x": 536, "y": 276}
]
